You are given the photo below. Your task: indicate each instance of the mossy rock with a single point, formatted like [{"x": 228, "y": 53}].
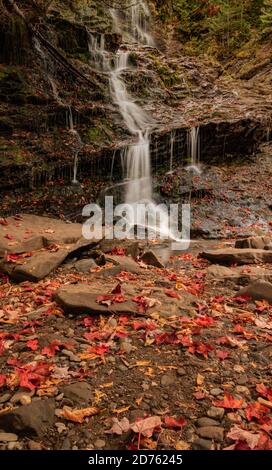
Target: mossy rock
[
  {"x": 13, "y": 85},
  {"x": 73, "y": 39}
]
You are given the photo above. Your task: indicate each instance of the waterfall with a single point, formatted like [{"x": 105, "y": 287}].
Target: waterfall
[
  {"x": 70, "y": 121},
  {"x": 78, "y": 143},
  {"x": 135, "y": 158},
  {"x": 172, "y": 143},
  {"x": 193, "y": 146}
]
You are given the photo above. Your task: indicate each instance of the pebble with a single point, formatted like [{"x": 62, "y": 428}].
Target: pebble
[
  {"x": 60, "y": 427},
  {"x": 71, "y": 355},
  {"x": 212, "y": 432},
  {"x": 168, "y": 379},
  {"x": 113, "y": 323},
  {"x": 4, "y": 398},
  {"x": 122, "y": 368},
  {"x": 242, "y": 389},
  {"x": 202, "y": 444},
  {"x": 14, "y": 446},
  {"x": 33, "y": 445},
  {"x": 100, "y": 444},
  {"x": 216, "y": 391},
  {"x": 66, "y": 445},
  {"x": 181, "y": 371},
  {"x": 203, "y": 422},
  {"x": 126, "y": 347},
  {"x": 60, "y": 397},
  {"x": 8, "y": 437},
  {"x": 216, "y": 412},
  {"x": 22, "y": 397},
  {"x": 242, "y": 379},
  {"x": 145, "y": 387}
]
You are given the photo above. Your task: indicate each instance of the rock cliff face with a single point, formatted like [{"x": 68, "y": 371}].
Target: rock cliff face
[{"x": 49, "y": 88}]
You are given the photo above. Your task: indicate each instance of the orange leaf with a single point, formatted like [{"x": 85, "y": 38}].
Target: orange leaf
[{"x": 78, "y": 416}]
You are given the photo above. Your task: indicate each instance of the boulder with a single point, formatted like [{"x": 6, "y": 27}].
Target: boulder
[
  {"x": 237, "y": 256},
  {"x": 35, "y": 267},
  {"x": 258, "y": 243},
  {"x": 212, "y": 432},
  {"x": 78, "y": 392},
  {"x": 122, "y": 263},
  {"x": 259, "y": 290},
  {"x": 85, "y": 265},
  {"x": 33, "y": 419},
  {"x": 151, "y": 259},
  {"x": 238, "y": 273},
  {"x": 29, "y": 232},
  {"x": 80, "y": 299}
]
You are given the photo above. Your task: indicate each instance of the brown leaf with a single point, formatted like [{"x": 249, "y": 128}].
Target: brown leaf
[
  {"x": 238, "y": 434},
  {"x": 119, "y": 427},
  {"x": 78, "y": 416},
  {"x": 146, "y": 426}
]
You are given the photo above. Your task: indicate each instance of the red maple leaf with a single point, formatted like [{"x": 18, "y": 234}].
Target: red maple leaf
[
  {"x": 117, "y": 289},
  {"x": 118, "y": 251},
  {"x": 87, "y": 321},
  {"x": 264, "y": 391},
  {"x": 172, "y": 293},
  {"x": 200, "y": 348},
  {"x": 229, "y": 402},
  {"x": 242, "y": 299},
  {"x": 255, "y": 410},
  {"x": 2, "y": 380},
  {"x": 222, "y": 355},
  {"x": 100, "y": 350},
  {"x": 33, "y": 344},
  {"x": 173, "y": 423},
  {"x": 51, "y": 349},
  {"x": 204, "y": 321}
]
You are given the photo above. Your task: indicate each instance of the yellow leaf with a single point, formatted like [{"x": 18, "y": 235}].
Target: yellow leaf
[
  {"x": 200, "y": 379},
  {"x": 121, "y": 410},
  {"x": 149, "y": 372},
  {"x": 107, "y": 385},
  {"x": 141, "y": 364},
  {"x": 139, "y": 400},
  {"x": 182, "y": 445},
  {"x": 78, "y": 416},
  {"x": 98, "y": 396}
]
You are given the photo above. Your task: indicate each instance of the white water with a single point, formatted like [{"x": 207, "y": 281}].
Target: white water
[
  {"x": 136, "y": 160},
  {"x": 193, "y": 145},
  {"x": 78, "y": 143},
  {"x": 172, "y": 142}
]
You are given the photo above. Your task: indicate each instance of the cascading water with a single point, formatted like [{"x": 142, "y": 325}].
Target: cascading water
[
  {"x": 78, "y": 143},
  {"x": 137, "y": 160},
  {"x": 70, "y": 121},
  {"x": 193, "y": 146},
  {"x": 172, "y": 143}
]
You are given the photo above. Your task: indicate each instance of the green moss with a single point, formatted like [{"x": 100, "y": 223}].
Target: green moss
[
  {"x": 133, "y": 58},
  {"x": 13, "y": 85}
]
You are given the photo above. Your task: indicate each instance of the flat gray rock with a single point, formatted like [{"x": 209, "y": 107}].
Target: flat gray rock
[
  {"x": 258, "y": 243},
  {"x": 237, "y": 256},
  {"x": 80, "y": 299},
  {"x": 259, "y": 290}
]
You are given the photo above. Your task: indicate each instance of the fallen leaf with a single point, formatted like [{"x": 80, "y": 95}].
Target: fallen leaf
[
  {"x": 119, "y": 427},
  {"x": 78, "y": 416},
  {"x": 238, "y": 434},
  {"x": 146, "y": 426},
  {"x": 229, "y": 402}
]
